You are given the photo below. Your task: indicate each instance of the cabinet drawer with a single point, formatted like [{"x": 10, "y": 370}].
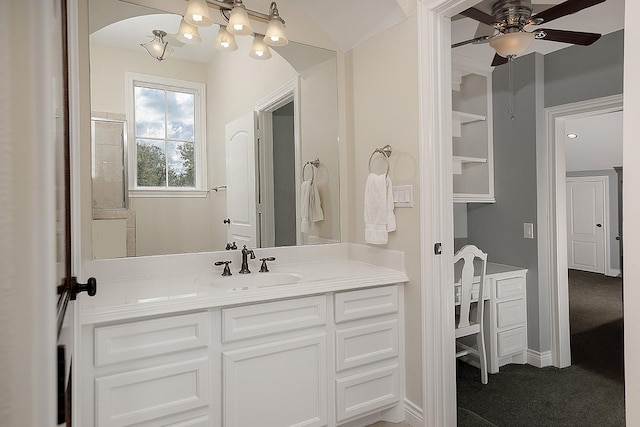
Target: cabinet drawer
[
  {"x": 366, "y": 344},
  {"x": 511, "y": 341},
  {"x": 194, "y": 422},
  {"x": 148, "y": 338},
  {"x": 510, "y": 287},
  {"x": 366, "y": 392},
  {"x": 273, "y": 317},
  {"x": 365, "y": 303},
  {"x": 510, "y": 313},
  {"x": 146, "y": 394}
]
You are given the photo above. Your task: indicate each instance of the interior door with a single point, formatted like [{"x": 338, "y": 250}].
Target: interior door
[
  {"x": 585, "y": 224},
  {"x": 241, "y": 181}
]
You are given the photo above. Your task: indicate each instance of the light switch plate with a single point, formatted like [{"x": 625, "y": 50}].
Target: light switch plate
[
  {"x": 403, "y": 196},
  {"x": 528, "y": 230}
]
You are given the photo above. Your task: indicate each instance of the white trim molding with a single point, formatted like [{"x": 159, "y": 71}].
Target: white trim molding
[
  {"x": 539, "y": 359},
  {"x": 413, "y": 414},
  {"x": 436, "y": 209},
  {"x": 552, "y": 214}
]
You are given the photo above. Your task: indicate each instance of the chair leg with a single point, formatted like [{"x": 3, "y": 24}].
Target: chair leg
[{"x": 482, "y": 354}]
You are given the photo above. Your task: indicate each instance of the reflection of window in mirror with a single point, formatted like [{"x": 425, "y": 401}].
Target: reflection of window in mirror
[{"x": 168, "y": 128}]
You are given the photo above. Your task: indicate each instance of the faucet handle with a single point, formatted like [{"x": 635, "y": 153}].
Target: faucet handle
[
  {"x": 263, "y": 267},
  {"x": 227, "y": 270}
]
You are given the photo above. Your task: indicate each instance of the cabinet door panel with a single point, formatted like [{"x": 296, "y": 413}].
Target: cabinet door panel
[
  {"x": 137, "y": 396},
  {"x": 510, "y": 313},
  {"x": 511, "y": 341},
  {"x": 278, "y": 384},
  {"x": 360, "y": 345},
  {"x": 147, "y": 338},
  {"x": 273, "y": 317},
  {"x": 365, "y": 303},
  {"x": 366, "y": 392}
]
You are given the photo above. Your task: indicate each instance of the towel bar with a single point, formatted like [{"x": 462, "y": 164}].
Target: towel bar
[
  {"x": 315, "y": 163},
  {"x": 386, "y": 151}
]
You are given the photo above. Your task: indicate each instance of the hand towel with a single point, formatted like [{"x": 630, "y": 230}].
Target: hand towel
[
  {"x": 305, "y": 203},
  {"x": 315, "y": 206},
  {"x": 379, "y": 218}
]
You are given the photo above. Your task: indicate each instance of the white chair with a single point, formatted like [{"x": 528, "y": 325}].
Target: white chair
[{"x": 470, "y": 321}]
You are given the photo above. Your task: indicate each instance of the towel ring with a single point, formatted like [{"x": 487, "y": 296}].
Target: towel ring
[
  {"x": 315, "y": 163},
  {"x": 386, "y": 152}
]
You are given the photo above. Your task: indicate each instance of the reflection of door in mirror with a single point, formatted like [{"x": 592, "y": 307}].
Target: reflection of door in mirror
[{"x": 241, "y": 178}]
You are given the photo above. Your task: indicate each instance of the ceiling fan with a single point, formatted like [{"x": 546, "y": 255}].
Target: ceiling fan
[{"x": 512, "y": 18}]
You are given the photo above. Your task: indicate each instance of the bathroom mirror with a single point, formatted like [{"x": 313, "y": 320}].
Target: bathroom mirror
[{"x": 251, "y": 191}]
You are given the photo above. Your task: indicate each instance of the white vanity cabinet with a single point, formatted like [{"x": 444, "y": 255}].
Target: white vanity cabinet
[
  {"x": 472, "y": 127},
  {"x": 148, "y": 373},
  {"x": 321, "y": 360},
  {"x": 274, "y": 364},
  {"x": 369, "y": 373}
]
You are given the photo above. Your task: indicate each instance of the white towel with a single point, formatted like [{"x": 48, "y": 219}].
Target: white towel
[
  {"x": 379, "y": 218},
  {"x": 310, "y": 205}
]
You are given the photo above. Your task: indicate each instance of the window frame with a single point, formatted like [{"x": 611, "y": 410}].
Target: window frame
[{"x": 200, "y": 152}]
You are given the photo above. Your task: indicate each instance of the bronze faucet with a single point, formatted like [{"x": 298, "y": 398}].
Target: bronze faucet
[{"x": 244, "y": 268}]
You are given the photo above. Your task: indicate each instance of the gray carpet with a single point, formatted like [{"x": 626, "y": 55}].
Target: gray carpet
[{"x": 589, "y": 393}]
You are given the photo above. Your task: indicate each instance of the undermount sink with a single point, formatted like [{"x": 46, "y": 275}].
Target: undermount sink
[{"x": 252, "y": 281}]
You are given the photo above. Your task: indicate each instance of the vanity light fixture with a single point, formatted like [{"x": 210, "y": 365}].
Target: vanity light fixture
[
  {"x": 239, "y": 23},
  {"x": 198, "y": 13},
  {"x": 188, "y": 33},
  {"x": 225, "y": 40},
  {"x": 572, "y": 135},
  {"x": 259, "y": 49},
  {"x": 158, "y": 47}
]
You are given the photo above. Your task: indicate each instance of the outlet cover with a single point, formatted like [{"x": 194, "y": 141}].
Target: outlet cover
[{"x": 528, "y": 230}]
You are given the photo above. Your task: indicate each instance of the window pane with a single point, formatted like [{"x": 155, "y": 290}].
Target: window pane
[
  {"x": 181, "y": 164},
  {"x": 180, "y": 115},
  {"x": 149, "y": 112},
  {"x": 151, "y": 163}
]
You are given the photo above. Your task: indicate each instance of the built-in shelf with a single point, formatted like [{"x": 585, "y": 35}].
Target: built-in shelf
[
  {"x": 461, "y": 118},
  {"x": 458, "y": 161}
]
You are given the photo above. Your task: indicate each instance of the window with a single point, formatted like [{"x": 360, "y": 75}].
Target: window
[{"x": 167, "y": 128}]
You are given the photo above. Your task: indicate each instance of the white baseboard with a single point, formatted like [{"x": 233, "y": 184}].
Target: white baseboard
[
  {"x": 613, "y": 272},
  {"x": 539, "y": 360},
  {"x": 413, "y": 414}
]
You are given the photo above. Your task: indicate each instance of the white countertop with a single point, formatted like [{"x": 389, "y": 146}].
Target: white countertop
[{"x": 142, "y": 294}]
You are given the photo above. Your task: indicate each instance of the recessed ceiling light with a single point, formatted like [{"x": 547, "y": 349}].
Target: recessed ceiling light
[{"x": 572, "y": 135}]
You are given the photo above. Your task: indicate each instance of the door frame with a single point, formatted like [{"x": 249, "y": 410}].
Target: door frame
[
  {"x": 436, "y": 209},
  {"x": 288, "y": 92},
  {"x": 552, "y": 215},
  {"x": 606, "y": 219}
]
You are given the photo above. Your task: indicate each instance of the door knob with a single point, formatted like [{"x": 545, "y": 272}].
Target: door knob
[
  {"x": 598, "y": 225},
  {"x": 227, "y": 221}
]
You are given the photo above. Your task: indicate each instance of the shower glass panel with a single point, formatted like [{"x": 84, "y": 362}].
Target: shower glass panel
[{"x": 109, "y": 166}]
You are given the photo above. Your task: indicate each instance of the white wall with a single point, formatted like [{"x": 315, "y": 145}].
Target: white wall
[
  {"x": 385, "y": 111},
  {"x": 631, "y": 211},
  {"x": 599, "y": 142}
]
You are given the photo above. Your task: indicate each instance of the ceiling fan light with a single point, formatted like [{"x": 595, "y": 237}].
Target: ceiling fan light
[
  {"x": 225, "y": 40},
  {"x": 188, "y": 33},
  {"x": 512, "y": 44},
  {"x": 275, "y": 35},
  {"x": 259, "y": 49},
  {"x": 198, "y": 13},
  {"x": 239, "y": 20}
]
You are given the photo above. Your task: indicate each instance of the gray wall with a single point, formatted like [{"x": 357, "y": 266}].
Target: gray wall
[
  {"x": 614, "y": 261},
  {"x": 497, "y": 228},
  {"x": 576, "y": 73}
]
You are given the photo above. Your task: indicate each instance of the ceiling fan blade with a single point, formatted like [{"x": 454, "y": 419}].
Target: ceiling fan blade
[
  {"x": 479, "y": 16},
  {"x": 498, "y": 60},
  {"x": 477, "y": 40},
  {"x": 575, "y": 37},
  {"x": 567, "y": 8}
]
